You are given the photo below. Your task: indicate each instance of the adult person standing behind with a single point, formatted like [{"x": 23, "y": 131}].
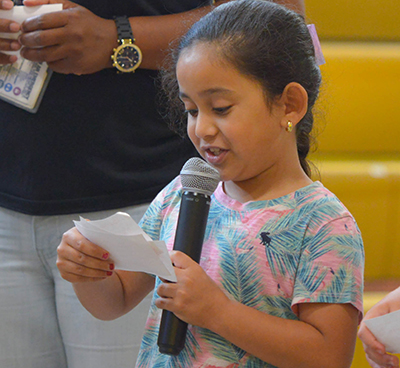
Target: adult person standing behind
[{"x": 102, "y": 131}]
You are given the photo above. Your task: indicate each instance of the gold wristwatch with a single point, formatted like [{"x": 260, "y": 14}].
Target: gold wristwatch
[{"x": 127, "y": 56}]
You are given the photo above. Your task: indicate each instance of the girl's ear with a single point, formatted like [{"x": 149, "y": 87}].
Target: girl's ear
[{"x": 295, "y": 101}]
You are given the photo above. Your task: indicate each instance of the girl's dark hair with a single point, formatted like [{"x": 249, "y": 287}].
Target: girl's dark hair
[{"x": 263, "y": 40}]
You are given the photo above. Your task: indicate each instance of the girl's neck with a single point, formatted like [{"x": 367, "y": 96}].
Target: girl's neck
[{"x": 259, "y": 189}]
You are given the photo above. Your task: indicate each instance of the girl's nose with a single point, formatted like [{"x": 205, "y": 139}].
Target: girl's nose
[{"x": 205, "y": 126}]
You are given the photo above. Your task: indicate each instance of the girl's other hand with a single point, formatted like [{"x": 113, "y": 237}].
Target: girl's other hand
[{"x": 80, "y": 260}]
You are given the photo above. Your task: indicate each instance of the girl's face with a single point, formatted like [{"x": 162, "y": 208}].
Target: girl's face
[{"x": 229, "y": 121}]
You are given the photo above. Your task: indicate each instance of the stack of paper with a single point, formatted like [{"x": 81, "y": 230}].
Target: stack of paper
[{"x": 129, "y": 246}]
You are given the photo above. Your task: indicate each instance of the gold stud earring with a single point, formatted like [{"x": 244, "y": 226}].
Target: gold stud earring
[{"x": 289, "y": 126}]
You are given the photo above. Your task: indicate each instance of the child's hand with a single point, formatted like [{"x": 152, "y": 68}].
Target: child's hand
[
  {"x": 79, "y": 260},
  {"x": 374, "y": 350},
  {"x": 195, "y": 298}
]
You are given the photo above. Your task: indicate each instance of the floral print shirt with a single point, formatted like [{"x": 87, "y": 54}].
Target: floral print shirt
[{"x": 271, "y": 255}]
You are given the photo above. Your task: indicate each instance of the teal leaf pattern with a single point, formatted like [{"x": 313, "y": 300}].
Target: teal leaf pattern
[{"x": 313, "y": 253}]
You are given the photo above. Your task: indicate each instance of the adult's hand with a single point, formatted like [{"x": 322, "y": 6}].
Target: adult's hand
[
  {"x": 8, "y": 26},
  {"x": 73, "y": 40}
]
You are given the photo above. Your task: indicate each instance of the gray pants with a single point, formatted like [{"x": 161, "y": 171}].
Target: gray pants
[{"x": 42, "y": 323}]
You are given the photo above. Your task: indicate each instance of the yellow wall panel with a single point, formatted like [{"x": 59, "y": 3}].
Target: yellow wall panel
[
  {"x": 355, "y": 19},
  {"x": 370, "y": 190},
  {"x": 358, "y": 110}
]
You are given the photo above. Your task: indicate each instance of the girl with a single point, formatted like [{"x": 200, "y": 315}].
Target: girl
[{"x": 280, "y": 280}]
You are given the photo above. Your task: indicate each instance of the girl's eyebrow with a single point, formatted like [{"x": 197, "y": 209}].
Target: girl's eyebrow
[{"x": 210, "y": 91}]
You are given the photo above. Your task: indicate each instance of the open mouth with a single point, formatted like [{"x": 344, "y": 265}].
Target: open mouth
[
  {"x": 215, "y": 151},
  {"x": 215, "y": 155}
]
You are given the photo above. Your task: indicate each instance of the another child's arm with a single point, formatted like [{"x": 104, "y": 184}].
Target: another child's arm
[
  {"x": 374, "y": 350},
  {"x": 323, "y": 337},
  {"x": 105, "y": 293}
]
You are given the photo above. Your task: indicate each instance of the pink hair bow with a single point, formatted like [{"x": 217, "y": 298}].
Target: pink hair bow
[{"x": 319, "y": 56}]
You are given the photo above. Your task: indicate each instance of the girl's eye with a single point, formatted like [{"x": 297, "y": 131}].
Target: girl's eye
[
  {"x": 192, "y": 112},
  {"x": 222, "y": 110}
]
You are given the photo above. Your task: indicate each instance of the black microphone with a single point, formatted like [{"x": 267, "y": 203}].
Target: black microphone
[{"x": 199, "y": 181}]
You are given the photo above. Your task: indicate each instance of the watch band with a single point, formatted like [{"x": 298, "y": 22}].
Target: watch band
[
  {"x": 127, "y": 56},
  {"x": 124, "y": 28}
]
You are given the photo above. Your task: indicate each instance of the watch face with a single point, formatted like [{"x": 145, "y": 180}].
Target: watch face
[{"x": 128, "y": 58}]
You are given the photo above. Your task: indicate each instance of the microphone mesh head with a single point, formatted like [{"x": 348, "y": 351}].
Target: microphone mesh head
[{"x": 198, "y": 176}]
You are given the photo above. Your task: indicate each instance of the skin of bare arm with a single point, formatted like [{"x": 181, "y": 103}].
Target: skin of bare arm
[
  {"x": 77, "y": 41},
  {"x": 116, "y": 295},
  {"x": 374, "y": 350},
  {"x": 106, "y": 293},
  {"x": 324, "y": 336}
]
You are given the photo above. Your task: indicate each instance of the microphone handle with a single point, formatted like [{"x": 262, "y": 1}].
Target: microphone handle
[{"x": 189, "y": 237}]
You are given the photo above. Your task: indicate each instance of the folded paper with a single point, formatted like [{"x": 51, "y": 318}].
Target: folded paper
[{"x": 129, "y": 246}]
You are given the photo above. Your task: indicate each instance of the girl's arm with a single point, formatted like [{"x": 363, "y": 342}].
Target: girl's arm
[
  {"x": 323, "y": 337},
  {"x": 105, "y": 293}
]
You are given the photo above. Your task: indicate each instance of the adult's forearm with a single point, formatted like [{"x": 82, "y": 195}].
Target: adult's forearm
[{"x": 155, "y": 34}]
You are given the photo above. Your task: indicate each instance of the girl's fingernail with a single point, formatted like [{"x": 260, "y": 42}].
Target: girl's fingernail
[
  {"x": 111, "y": 266},
  {"x": 105, "y": 256},
  {"x": 109, "y": 273}
]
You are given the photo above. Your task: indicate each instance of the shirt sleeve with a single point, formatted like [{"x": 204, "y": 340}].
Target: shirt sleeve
[
  {"x": 158, "y": 216},
  {"x": 331, "y": 268}
]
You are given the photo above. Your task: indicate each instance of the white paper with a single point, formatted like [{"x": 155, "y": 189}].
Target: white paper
[
  {"x": 20, "y": 13},
  {"x": 129, "y": 246},
  {"x": 386, "y": 329}
]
